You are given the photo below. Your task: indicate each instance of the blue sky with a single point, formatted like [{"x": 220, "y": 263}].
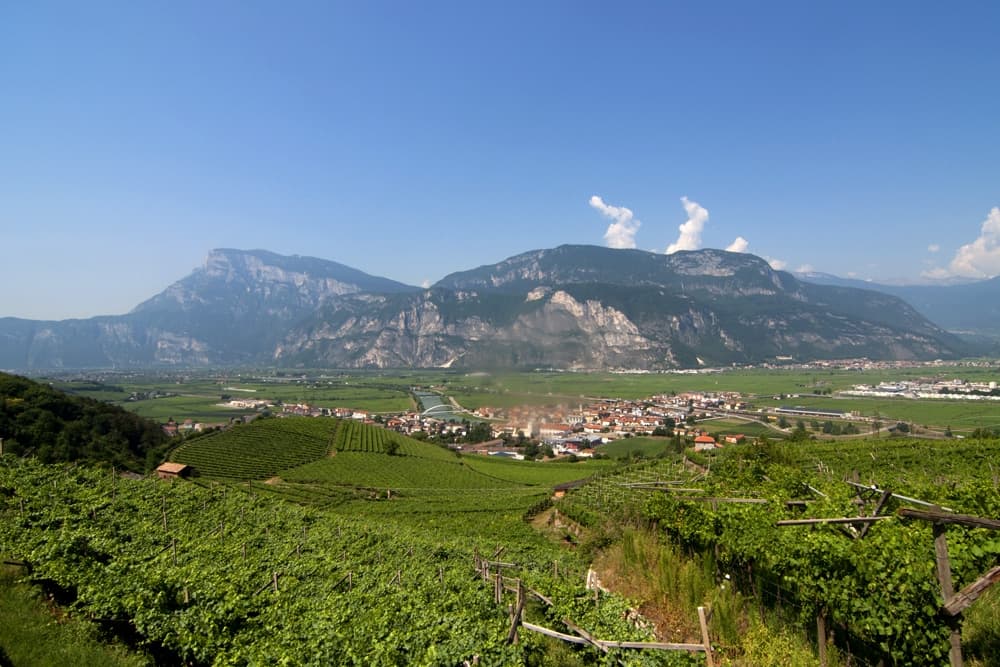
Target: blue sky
[{"x": 411, "y": 140}]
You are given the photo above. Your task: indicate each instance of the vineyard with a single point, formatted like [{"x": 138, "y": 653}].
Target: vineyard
[
  {"x": 353, "y": 436},
  {"x": 874, "y": 584},
  {"x": 220, "y": 574},
  {"x": 260, "y": 449}
]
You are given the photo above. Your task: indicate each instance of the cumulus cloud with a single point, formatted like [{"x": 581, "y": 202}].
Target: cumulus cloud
[
  {"x": 777, "y": 264},
  {"x": 621, "y": 232},
  {"x": 934, "y": 247},
  {"x": 805, "y": 268},
  {"x": 740, "y": 244},
  {"x": 426, "y": 283},
  {"x": 981, "y": 258},
  {"x": 690, "y": 231}
]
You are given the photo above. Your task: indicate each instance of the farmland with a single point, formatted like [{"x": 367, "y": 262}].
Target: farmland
[
  {"x": 198, "y": 394},
  {"x": 359, "y": 537}
]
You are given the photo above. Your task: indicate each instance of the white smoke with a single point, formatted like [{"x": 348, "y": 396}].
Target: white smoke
[
  {"x": 690, "y": 231},
  {"x": 739, "y": 244},
  {"x": 621, "y": 232}
]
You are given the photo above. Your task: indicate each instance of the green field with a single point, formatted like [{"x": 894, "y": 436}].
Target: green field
[
  {"x": 198, "y": 397},
  {"x": 388, "y": 391},
  {"x": 962, "y": 416}
]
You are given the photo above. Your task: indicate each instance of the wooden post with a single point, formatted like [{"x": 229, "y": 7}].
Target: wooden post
[
  {"x": 441, "y": 576},
  {"x": 274, "y": 581},
  {"x": 350, "y": 580},
  {"x": 164, "y": 516},
  {"x": 947, "y": 591},
  {"x": 555, "y": 569},
  {"x": 704, "y": 637},
  {"x": 517, "y": 613},
  {"x": 187, "y": 597},
  {"x": 821, "y": 636},
  {"x": 498, "y": 587},
  {"x": 173, "y": 550},
  {"x": 244, "y": 551}
]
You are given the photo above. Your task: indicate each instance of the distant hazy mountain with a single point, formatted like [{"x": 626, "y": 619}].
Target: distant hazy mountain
[
  {"x": 568, "y": 307},
  {"x": 972, "y": 307},
  {"x": 592, "y": 307},
  {"x": 231, "y": 310}
]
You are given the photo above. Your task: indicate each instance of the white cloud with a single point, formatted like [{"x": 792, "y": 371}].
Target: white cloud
[
  {"x": 777, "y": 264},
  {"x": 852, "y": 274},
  {"x": 740, "y": 244},
  {"x": 690, "y": 231},
  {"x": 426, "y": 283},
  {"x": 621, "y": 232},
  {"x": 934, "y": 247},
  {"x": 805, "y": 268},
  {"x": 981, "y": 258}
]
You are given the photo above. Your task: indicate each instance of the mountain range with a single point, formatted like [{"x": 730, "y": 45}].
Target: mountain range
[
  {"x": 971, "y": 308},
  {"x": 573, "y": 307}
]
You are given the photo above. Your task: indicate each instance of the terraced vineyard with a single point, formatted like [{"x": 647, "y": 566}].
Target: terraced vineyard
[
  {"x": 221, "y": 574},
  {"x": 354, "y": 436},
  {"x": 260, "y": 449},
  {"x": 381, "y": 471},
  {"x": 536, "y": 474}
]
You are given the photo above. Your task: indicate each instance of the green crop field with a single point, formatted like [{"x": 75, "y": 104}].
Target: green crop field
[{"x": 961, "y": 415}]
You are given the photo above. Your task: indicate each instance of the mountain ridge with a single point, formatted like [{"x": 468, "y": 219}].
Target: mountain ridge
[{"x": 572, "y": 306}]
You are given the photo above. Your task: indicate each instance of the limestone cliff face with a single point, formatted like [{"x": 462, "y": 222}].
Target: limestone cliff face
[
  {"x": 579, "y": 307},
  {"x": 586, "y": 325}
]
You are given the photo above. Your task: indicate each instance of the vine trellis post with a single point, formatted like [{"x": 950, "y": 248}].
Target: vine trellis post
[{"x": 954, "y": 603}]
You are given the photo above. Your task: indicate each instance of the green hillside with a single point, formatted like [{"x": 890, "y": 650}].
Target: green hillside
[
  {"x": 227, "y": 575},
  {"x": 37, "y": 420},
  {"x": 260, "y": 449}
]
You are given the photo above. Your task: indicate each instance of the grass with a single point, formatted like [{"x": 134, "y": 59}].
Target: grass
[{"x": 32, "y": 634}]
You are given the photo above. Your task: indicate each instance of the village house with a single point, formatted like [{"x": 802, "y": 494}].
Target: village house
[{"x": 704, "y": 442}]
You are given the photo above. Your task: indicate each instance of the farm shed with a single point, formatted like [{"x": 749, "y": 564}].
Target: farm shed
[{"x": 173, "y": 470}]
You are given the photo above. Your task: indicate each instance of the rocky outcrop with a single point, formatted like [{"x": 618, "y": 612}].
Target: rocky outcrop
[{"x": 579, "y": 307}]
